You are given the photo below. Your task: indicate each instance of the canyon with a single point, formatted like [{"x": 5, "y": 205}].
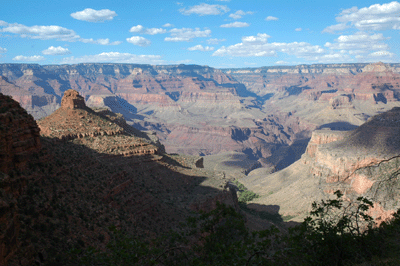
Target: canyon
[
  {"x": 141, "y": 146},
  {"x": 200, "y": 110}
]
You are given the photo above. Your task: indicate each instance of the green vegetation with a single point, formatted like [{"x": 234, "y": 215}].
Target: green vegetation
[
  {"x": 245, "y": 195},
  {"x": 337, "y": 232}
]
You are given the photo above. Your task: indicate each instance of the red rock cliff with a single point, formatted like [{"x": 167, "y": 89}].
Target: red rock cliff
[{"x": 19, "y": 139}]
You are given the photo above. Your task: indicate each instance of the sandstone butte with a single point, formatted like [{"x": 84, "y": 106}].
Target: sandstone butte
[{"x": 85, "y": 173}]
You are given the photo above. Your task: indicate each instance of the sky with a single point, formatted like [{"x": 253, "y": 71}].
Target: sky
[{"x": 217, "y": 33}]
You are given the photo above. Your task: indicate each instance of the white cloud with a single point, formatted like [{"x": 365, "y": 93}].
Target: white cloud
[
  {"x": 3, "y": 50},
  {"x": 258, "y": 46},
  {"x": 143, "y": 30},
  {"x": 92, "y": 15},
  {"x": 235, "y": 24},
  {"x": 298, "y": 29},
  {"x": 100, "y": 41},
  {"x": 138, "y": 40},
  {"x": 215, "y": 41},
  {"x": 337, "y": 27},
  {"x": 34, "y": 58},
  {"x": 153, "y": 31},
  {"x": 41, "y": 32},
  {"x": 360, "y": 42},
  {"x": 374, "y": 17},
  {"x": 186, "y": 34},
  {"x": 382, "y": 54},
  {"x": 205, "y": 9},
  {"x": 200, "y": 47},
  {"x": 239, "y": 14},
  {"x": 56, "y": 51},
  {"x": 281, "y": 62},
  {"x": 115, "y": 57},
  {"x": 50, "y": 32},
  {"x": 168, "y": 25},
  {"x": 260, "y": 38},
  {"x": 137, "y": 28},
  {"x": 270, "y": 18}
]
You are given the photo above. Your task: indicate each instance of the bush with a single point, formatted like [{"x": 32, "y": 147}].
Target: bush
[{"x": 337, "y": 232}]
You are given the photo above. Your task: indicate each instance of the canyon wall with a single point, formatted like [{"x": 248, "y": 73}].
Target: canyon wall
[
  {"x": 19, "y": 141},
  {"x": 362, "y": 162},
  {"x": 201, "y": 110}
]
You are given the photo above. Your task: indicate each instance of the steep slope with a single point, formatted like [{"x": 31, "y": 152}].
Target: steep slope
[
  {"x": 364, "y": 162},
  {"x": 80, "y": 184},
  {"x": 19, "y": 141}
]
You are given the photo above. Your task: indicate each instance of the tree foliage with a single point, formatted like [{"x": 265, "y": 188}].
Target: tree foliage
[{"x": 337, "y": 232}]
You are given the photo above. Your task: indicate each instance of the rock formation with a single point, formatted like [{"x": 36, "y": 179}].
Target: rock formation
[
  {"x": 259, "y": 111},
  {"x": 19, "y": 141},
  {"x": 72, "y": 100},
  {"x": 362, "y": 162}
]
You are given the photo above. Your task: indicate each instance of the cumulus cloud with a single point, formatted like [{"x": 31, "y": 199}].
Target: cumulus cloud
[
  {"x": 137, "y": 28},
  {"x": 382, "y": 54},
  {"x": 154, "y": 31},
  {"x": 115, "y": 57},
  {"x": 281, "y": 62},
  {"x": 168, "y": 25},
  {"x": 34, "y": 58},
  {"x": 205, "y": 9},
  {"x": 239, "y": 14},
  {"x": 3, "y": 50},
  {"x": 186, "y": 34},
  {"x": 139, "y": 40},
  {"x": 258, "y": 46},
  {"x": 150, "y": 31},
  {"x": 40, "y": 32},
  {"x": 235, "y": 24},
  {"x": 259, "y": 39},
  {"x": 337, "y": 27},
  {"x": 92, "y": 15},
  {"x": 49, "y": 33},
  {"x": 200, "y": 47},
  {"x": 377, "y": 56},
  {"x": 270, "y": 18},
  {"x": 374, "y": 17},
  {"x": 56, "y": 51},
  {"x": 100, "y": 41},
  {"x": 215, "y": 41},
  {"x": 298, "y": 29},
  {"x": 359, "y": 43}
]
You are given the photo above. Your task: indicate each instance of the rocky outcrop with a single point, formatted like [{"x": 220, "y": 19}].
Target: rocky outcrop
[
  {"x": 19, "y": 135},
  {"x": 74, "y": 120},
  {"x": 361, "y": 162},
  {"x": 72, "y": 100},
  {"x": 320, "y": 137},
  {"x": 19, "y": 141}
]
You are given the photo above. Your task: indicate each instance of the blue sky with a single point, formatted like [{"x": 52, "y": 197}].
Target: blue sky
[{"x": 224, "y": 33}]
